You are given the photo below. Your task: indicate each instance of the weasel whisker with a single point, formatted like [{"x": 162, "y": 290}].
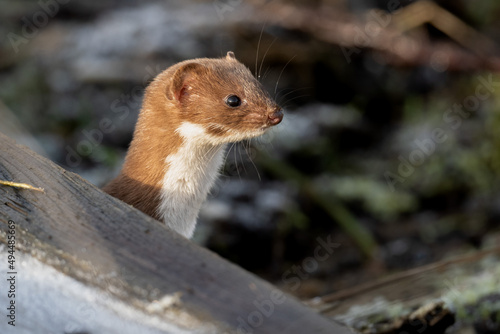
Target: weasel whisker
[
  {"x": 257, "y": 53},
  {"x": 251, "y": 160},
  {"x": 227, "y": 154},
  {"x": 281, "y": 73},
  {"x": 285, "y": 104},
  {"x": 265, "y": 54},
  {"x": 290, "y": 92}
]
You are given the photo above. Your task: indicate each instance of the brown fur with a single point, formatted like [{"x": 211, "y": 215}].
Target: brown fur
[{"x": 192, "y": 91}]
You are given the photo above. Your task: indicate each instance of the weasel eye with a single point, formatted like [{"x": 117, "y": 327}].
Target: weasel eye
[{"x": 233, "y": 101}]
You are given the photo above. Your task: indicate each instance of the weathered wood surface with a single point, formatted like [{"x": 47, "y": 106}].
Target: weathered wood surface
[{"x": 127, "y": 257}]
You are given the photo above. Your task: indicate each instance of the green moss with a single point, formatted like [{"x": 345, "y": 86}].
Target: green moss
[{"x": 468, "y": 295}]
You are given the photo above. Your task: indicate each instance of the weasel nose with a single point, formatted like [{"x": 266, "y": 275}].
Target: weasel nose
[{"x": 275, "y": 117}]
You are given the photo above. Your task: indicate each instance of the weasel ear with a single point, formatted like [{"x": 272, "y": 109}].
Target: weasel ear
[
  {"x": 181, "y": 82},
  {"x": 230, "y": 55}
]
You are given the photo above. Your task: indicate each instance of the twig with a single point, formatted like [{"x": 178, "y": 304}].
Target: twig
[
  {"x": 20, "y": 185},
  {"x": 389, "y": 280},
  {"x": 339, "y": 27}
]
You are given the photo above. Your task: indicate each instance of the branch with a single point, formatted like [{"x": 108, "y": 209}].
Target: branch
[{"x": 388, "y": 34}]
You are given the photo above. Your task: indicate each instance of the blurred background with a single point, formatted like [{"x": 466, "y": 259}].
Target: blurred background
[{"x": 389, "y": 154}]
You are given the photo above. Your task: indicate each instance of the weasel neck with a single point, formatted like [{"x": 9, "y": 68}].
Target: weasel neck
[
  {"x": 189, "y": 175},
  {"x": 168, "y": 173}
]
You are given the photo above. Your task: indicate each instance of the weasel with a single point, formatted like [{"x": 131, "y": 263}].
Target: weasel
[{"x": 190, "y": 112}]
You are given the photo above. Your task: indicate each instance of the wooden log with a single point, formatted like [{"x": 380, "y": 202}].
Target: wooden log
[
  {"x": 86, "y": 262},
  {"x": 421, "y": 300}
]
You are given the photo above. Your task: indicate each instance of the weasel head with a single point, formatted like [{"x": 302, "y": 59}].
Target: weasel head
[{"x": 219, "y": 101}]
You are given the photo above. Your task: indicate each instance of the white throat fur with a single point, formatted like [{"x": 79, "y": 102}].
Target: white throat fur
[{"x": 189, "y": 175}]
